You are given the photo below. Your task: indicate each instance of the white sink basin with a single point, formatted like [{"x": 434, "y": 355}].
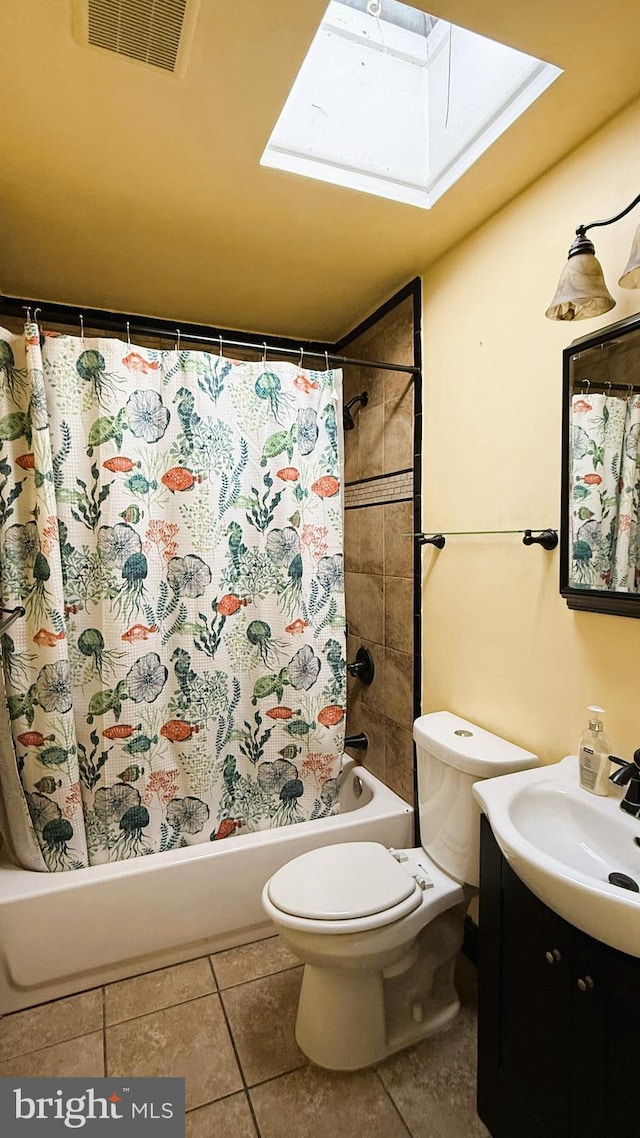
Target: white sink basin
[{"x": 563, "y": 843}]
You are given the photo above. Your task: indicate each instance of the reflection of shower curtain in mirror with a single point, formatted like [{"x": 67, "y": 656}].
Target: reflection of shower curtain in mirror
[
  {"x": 172, "y": 524},
  {"x": 604, "y": 488}
]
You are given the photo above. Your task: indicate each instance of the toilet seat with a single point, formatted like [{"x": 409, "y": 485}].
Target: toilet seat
[{"x": 348, "y": 887}]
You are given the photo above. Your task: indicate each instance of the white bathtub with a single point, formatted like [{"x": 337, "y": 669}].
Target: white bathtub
[{"x": 65, "y": 932}]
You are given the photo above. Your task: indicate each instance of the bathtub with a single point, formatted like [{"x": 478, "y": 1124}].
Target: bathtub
[{"x": 64, "y": 932}]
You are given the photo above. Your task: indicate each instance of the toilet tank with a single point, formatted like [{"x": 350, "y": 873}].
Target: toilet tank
[{"x": 452, "y": 754}]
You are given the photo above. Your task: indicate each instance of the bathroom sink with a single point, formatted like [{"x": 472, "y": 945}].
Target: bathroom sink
[{"x": 564, "y": 842}]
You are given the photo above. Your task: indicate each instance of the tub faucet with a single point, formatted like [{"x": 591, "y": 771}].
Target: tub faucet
[
  {"x": 628, "y": 775},
  {"x": 357, "y": 742}
]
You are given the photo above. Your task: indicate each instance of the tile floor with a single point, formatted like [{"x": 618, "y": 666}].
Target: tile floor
[{"x": 226, "y": 1023}]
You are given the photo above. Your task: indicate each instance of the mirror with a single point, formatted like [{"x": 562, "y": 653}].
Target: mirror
[{"x": 600, "y": 526}]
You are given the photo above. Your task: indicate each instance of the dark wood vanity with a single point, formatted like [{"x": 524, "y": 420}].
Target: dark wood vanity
[{"x": 558, "y": 1019}]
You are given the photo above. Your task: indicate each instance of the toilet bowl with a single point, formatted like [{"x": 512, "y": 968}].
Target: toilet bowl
[{"x": 379, "y": 930}]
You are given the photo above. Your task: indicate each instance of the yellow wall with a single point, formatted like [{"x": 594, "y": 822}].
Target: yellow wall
[{"x": 500, "y": 645}]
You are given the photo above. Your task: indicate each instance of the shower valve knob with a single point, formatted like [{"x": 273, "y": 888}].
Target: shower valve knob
[{"x": 363, "y": 666}]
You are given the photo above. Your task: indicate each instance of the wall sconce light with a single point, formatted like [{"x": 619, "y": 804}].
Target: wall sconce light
[{"x": 582, "y": 292}]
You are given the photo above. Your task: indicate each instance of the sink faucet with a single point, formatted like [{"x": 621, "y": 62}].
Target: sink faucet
[{"x": 629, "y": 773}]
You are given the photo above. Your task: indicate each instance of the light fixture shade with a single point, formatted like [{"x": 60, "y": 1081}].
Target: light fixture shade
[
  {"x": 631, "y": 275},
  {"x": 581, "y": 291}
]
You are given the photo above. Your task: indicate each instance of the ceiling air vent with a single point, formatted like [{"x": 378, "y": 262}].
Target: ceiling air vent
[{"x": 155, "y": 32}]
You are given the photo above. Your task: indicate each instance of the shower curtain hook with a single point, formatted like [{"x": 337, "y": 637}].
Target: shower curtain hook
[
  {"x": 28, "y": 312},
  {"x": 128, "y": 337},
  {"x": 81, "y": 328},
  {"x": 178, "y": 340},
  {"x": 608, "y": 386},
  {"x": 220, "y": 339},
  {"x": 326, "y": 360},
  {"x": 301, "y": 360},
  {"x": 35, "y": 314},
  {"x": 264, "y": 354}
]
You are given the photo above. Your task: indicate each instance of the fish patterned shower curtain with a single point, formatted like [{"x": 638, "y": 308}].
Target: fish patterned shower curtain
[
  {"x": 605, "y": 492},
  {"x": 171, "y": 521}
]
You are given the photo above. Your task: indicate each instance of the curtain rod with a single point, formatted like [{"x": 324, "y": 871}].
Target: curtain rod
[
  {"x": 266, "y": 347},
  {"x": 120, "y": 322},
  {"x": 588, "y": 383}
]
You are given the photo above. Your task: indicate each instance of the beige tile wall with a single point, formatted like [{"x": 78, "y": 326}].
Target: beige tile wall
[{"x": 378, "y": 558}]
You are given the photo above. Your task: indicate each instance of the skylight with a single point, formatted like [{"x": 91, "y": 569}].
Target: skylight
[{"x": 399, "y": 103}]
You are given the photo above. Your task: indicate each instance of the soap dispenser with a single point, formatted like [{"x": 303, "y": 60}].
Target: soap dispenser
[{"x": 594, "y": 749}]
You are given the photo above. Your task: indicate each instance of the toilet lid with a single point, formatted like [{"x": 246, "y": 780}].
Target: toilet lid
[{"x": 352, "y": 879}]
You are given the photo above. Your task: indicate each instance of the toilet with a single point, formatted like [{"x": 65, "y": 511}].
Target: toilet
[{"x": 379, "y": 929}]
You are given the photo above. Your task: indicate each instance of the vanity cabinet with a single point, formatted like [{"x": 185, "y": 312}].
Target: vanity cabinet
[{"x": 558, "y": 1019}]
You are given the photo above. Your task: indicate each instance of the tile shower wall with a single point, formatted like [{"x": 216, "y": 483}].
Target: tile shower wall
[{"x": 379, "y": 558}]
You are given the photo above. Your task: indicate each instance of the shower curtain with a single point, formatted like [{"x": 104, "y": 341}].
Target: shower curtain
[
  {"x": 605, "y": 492},
  {"x": 171, "y": 521}
]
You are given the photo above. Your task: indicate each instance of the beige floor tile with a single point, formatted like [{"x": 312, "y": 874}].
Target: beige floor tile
[
  {"x": 79, "y": 1057},
  {"x": 251, "y": 961},
  {"x": 155, "y": 990},
  {"x": 434, "y": 1084},
  {"x": 188, "y": 1041},
  {"x": 313, "y": 1103},
  {"x": 262, "y": 1017},
  {"x": 227, "y": 1116},
  {"x": 50, "y": 1023}
]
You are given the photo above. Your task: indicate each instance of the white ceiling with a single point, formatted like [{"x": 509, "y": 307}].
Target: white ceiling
[{"x": 122, "y": 187}]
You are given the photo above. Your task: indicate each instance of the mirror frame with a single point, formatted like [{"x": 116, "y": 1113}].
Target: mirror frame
[{"x": 588, "y": 600}]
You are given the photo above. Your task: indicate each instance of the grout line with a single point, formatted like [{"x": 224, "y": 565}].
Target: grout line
[
  {"x": 391, "y": 1099},
  {"x": 235, "y": 1049},
  {"x": 383, "y": 502},
  {"x": 214, "y": 1101},
  {"x": 67, "y": 1039},
  {"x": 104, "y": 1029},
  {"x": 163, "y": 1008},
  {"x": 282, "y": 1075},
  {"x": 240, "y": 1070},
  {"x": 377, "y": 477},
  {"x": 213, "y": 971},
  {"x": 252, "y": 980}
]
